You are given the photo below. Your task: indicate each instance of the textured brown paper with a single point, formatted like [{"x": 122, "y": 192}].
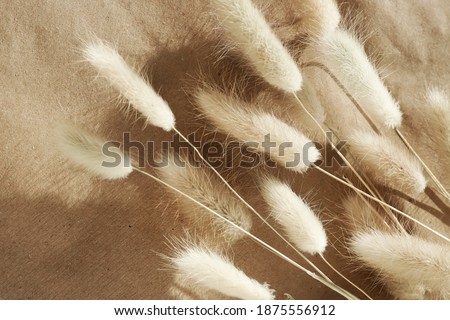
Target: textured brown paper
[{"x": 65, "y": 235}]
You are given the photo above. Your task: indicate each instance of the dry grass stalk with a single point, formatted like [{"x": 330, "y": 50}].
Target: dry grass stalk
[
  {"x": 201, "y": 184},
  {"x": 248, "y": 31}
]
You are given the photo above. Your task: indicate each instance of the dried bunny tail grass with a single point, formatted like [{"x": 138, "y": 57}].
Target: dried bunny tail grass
[
  {"x": 360, "y": 216},
  {"x": 246, "y": 28},
  {"x": 311, "y": 100},
  {"x": 87, "y": 150},
  {"x": 134, "y": 88},
  {"x": 202, "y": 185},
  {"x": 321, "y": 17},
  {"x": 207, "y": 269},
  {"x": 437, "y": 114},
  {"x": 346, "y": 58},
  {"x": 386, "y": 163},
  {"x": 413, "y": 291},
  {"x": 302, "y": 227},
  {"x": 407, "y": 261},
  {"x": 186, "y": 289},
  {"x": 228, "y": 114}
]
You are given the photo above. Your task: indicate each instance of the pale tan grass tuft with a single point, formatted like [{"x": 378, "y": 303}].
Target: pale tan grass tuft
[
  {"x": 215, "y": 272},
  {"x": 247, "y": 31},
  {"x": 203, "y": 185},
  {"x": 436, "y": 113},
  {"x": 321, "y": 17},
  {"x": 111, "y": 66},
  {"x": 228, "y": 114},
  {"x": 360, "y": 215},
  {"x": 92, "y": 153},
  {"x": 346, "y": 58},
  {"x": 387, "y": 163},
  {"x": 406, "y": 262},
  {"x": 301, "y": 225}
]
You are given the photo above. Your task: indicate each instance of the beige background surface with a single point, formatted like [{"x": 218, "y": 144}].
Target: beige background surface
[{"x": 65, "y": 235}]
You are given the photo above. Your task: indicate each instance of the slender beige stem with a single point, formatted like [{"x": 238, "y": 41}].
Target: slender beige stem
[
  {"x": 383, "y": 203},
  {"x": 344, "y": 277},
  {"x": 250, "y": 207},
  {"x": 322, "y": 280},
  {"x": 441, "y": 188}
]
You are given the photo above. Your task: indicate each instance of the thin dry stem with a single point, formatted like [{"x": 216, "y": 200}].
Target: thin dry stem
[{"x": 344, "y": 277}]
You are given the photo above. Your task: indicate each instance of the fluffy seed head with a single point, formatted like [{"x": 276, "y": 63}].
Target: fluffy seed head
[
  {"x": 411, "y": 266},
  {"x": 228, "y": 114},
  {"x": 201, "y": 184},
  {"x": 214, "y": 272},
  {"x": 320, "y": 17},
  {"x": 185, "y": 289},
  {"x": 246, "y": 29},
  {"x": 346, "y": 58},
  {"x": 311, "y": 100},
  {"x": 130, "y": 85},
  {"x": 360, "y": 216},
  {"x": 302, "y": 227},
  {"x": 438, "y": 99},
  {"x": 387, "y": 163},
  {"x": 437, "y": 115},
  {"x": 89, "y": 152}
]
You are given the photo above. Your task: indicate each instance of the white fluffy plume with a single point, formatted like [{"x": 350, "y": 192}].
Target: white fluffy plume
[
  {"x": 204, "y": 186},
  {"x": 360, "y": 215},
  {"x": 214, "y": 272},
  {"x": 248, "y": 31},
  {"x": 292, "y": 150},
  {"x": 311, "y": 100},
  {"x": 131, "y": 86},
  {"x": 302, "y": 227},
  {"x": 320, "y": 17},
  {"x": 186, "y": 289},
  {"x": 346, "y": 58},
  {"x": 387, "y": 163},
  {"x": 437, "y": 116},
  {"x": 412, "y": 267},
  {"x": 87, "y": 150}
]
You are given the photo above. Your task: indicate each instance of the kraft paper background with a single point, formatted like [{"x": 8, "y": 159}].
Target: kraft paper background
[{"x": 66, "y": 235}]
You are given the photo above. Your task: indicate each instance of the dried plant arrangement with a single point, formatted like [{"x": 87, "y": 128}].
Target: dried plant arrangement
[{"x": 377, "y": 229}]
